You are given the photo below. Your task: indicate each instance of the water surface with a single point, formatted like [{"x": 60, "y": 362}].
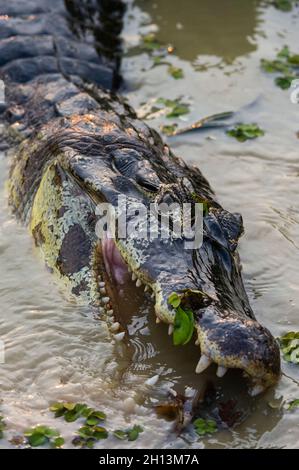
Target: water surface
[{"x": 57, "y": 350}]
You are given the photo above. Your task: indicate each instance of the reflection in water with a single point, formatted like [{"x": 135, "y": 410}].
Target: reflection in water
[{"x": 221, "y": 28}]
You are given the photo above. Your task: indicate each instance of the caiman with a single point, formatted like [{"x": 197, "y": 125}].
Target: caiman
[{"x": 77, "y": 145}]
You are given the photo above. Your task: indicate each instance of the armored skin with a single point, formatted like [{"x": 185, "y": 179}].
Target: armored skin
[{"x": 77, "y": 145}]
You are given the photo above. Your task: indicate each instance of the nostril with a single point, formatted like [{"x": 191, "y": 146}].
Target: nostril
[{"x": 196, "y": 300}]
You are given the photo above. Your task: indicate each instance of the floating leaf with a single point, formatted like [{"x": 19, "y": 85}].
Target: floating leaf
[
  {"x": 284, "y": 52},
  {"x": 169, "y": 129},
  {"x": 286, "y": 63},
  {"x": 88, "y": 435},
  {"x": 293, "y": 404},
  {"x": 289, "y": 344},
  {"x": 175, "y": 72},
  {"x": 69, "y": 406},
  {"x": 178, "y": 110},
  {"x": 243, "y": 132},
  {"x": 133, "y": 433},
  {"x": 163, "y": 106},
  {"x": 58, "y": 442},
  {"x": 150, "y": 42},
  {"x": 41, "y": 435},
  {"x": 37, "y": 439},
  {"x": 294, "y": 59},
  {"x": 183, "y": 326},
  {"x": 283, "y": 5},
  {"x": 119, "y": 434},
  {"x": 284, "y": 82},
  {"x": 204, "y": 426},
  {"x": 272, "y": 66}
]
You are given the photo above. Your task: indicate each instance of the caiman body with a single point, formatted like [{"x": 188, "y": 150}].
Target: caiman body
[{"x": 78, "y": 146}]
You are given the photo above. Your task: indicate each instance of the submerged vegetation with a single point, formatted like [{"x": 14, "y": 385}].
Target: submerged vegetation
[{"x": 289, "y": 345}]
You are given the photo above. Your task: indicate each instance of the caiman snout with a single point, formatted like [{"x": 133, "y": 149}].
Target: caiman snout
[{"x": 234, "y": 341}]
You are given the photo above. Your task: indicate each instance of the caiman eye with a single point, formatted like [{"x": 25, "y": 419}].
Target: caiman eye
[
  {"x": 125, "y": 162},
  {"x": 148, "y": 181}
]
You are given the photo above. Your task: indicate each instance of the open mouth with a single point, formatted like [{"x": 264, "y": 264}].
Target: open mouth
[{"x": 226, "y": 340}]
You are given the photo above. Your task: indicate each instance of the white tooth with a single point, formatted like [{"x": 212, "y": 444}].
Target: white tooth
[
  {"x": 129, "y": 269},
  {"x": 256, "y": 390},
  {"x": 153, "y": 295},
  {"x": 221, "y": 371},
  {"x": 138, "y": 283},
  {"x": 203, "y": 364},
  {"x": 152, "y": 380},
  {"x": 170, "y": 329},
  {"x": 134, "y": 277},
  {"x": 158, "y": 320},
  {"x": 119, "y": 336},
  {"x": 105, "y": 300},
  {"x": 197, "y": 343},
  {"x": 101, "y": 284},
  {"x": 109, "y": 312},
  {"x": 146, "y": 288},
  {"x": 115, "y": 326},
  {"x": 102, "y": 290}
]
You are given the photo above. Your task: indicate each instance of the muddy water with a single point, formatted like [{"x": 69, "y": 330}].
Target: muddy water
[{"x": 57, "y": 350}]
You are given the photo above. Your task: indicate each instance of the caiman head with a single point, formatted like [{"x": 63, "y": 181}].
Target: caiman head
[{"x": 207, "y": 277}]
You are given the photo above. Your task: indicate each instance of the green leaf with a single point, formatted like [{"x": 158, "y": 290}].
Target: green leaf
[
  {"x": 174, "y": 300},
  {"x": 150, "y": 43},
  {"x": 284, "y": 82},
  {"x": 92, "y": 421},
  {"x": 37, "y": 439},
  {"x": 175, "y": 72},
  {"x": 294, "y": 59},
  {"x": 293, "y": 404},
  {"x": 283, "y": 5},
  {"x": 133, "y": 433},
  {"x": 285, "y": 52},
  {"x": 273, "y": 66},
  {"x": 243, "y": 132},
  {"x": 178, "y": 110},
  {"x": 58, "y": 442},
  {"x": 183, "y": 326},
  {"x": 56, "y": 407},
  {"x": 71, "y": 416},
  {"x": 100, "y": 432},
  {"x": 204, "y": 426},
  {"x": 100, "y": 415},
  {"x": 69, "y": 406},
  {"x": 90, "y": 443},
  {"x": 119, "y": 434},
  {"x": 289, "y": 346},
  {"x": 169, "y": 129}
]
